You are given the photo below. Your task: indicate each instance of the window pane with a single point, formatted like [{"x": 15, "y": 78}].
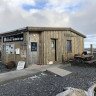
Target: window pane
[
  {"x": 68, "y": 45},
  {"x": 52, "y": 44}
]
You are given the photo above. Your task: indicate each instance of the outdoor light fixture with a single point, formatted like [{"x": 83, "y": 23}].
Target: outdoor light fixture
[{"x": 34, "y": 35}]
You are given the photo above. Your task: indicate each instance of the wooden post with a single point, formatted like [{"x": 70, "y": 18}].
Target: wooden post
[
  {"x": 91, "y": 49},
  {"x": 27, "y": 49},
  {"x": 3, "y": 56}
]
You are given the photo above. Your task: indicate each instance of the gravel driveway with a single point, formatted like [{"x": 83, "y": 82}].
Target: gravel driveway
[{"x": 48, "y": 84}]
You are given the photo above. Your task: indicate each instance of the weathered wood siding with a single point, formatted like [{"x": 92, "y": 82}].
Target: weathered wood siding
[
  {"x": 44, "y": 53},
  {"x": 61, "y": 39},
  {"x": 0, "y": 48},
  {"x": 14, "y": 57}
]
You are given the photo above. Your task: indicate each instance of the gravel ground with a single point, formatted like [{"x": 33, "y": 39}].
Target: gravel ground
[
  {"x": 48, "y": 84},
  {"x": 4, "y": 69}
]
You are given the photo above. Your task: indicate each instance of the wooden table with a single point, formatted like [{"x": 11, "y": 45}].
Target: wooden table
[{"x": 84, "y": 58}]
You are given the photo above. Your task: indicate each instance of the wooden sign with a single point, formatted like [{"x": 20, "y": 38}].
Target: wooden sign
[
  {"x": 68, "y": 35},
  {"x": 20, "y": 65},
  {"x": 18, "y": 37},
  {"x": 24, "y": 43}
]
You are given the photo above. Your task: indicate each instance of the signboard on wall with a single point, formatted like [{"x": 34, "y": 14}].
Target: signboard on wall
[
  {"x": 17, "y": 50},
  {"x": 20, "y": 65},
  {"x": 24, "y": 43},
  {"x": 68, "y": 35},
  {"x": 10, "y": 49},
  {"x": 23, "y": 53},
  {"x": 33, "y": 46},
  {"x": 18, "y": 37}
]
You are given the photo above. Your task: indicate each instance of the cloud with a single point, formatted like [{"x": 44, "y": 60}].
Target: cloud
[
  {"x": 78, "y": 14},
  {"x": 38, "y": 5},
  {"x": 18, "y": 3},
  {"x": 91, "y": 39},
  {"x": 64, "y": 3}
]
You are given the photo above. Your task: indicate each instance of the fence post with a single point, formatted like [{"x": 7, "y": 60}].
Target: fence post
[{"x": 91, "y": 49}]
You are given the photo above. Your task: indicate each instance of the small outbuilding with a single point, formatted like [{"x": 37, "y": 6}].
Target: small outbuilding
[{"x": 41, "y": 45}]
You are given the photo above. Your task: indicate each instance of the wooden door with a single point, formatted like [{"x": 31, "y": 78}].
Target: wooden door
[
  {"x": 34, "y": 48},
  {"x": 53, "y": 50}
]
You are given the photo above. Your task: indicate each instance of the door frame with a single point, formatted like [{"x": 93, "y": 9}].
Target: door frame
[{"x": 55, "y": 47}]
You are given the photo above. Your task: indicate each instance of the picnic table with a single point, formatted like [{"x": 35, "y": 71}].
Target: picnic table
[
  {"x": 88, "y": 59},
  {"x": 85, "y": 57}
]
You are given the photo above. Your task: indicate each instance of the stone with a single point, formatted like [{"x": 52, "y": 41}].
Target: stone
[
  {"x": 11, "y": 65},
  {"x": 69, "y": 91},
  {"x": 73, "y": 92}
]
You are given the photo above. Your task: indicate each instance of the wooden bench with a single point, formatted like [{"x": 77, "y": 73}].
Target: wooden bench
[{"x": 91, "y": 61}]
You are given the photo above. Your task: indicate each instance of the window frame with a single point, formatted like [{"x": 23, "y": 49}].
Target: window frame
[
  {"x": 69, "y": 51},
  {"x": 52, "y": 44}
]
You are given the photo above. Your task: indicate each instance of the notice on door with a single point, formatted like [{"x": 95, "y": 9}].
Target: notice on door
[{"x": 33, "y": 46}]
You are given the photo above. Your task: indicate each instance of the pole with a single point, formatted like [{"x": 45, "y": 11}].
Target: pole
[{"x": 91, "y": 49}]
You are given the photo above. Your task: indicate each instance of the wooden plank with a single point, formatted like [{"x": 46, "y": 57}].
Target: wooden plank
[
  {"x": 27, "y": 49},
  {"x": 49, "y": 47},
  {"x": 58, "y": 71},
  {"x": 57, "y": 45},
  {"x": 42, "y": 47},
  {"x": 61, "y": 36},
  {"x": 46, "y": 47},
  {"x": 91, "y": 61},
  {"x": 65, "y": 47},
  {"x": 40, "y": 54}
]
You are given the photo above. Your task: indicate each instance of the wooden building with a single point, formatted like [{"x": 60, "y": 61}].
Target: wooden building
[{"x": 41, "y": 45}]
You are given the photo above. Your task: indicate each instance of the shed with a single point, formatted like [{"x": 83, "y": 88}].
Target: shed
[{"x": 41, "y": 45}]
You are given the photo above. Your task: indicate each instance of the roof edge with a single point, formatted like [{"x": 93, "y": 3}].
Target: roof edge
[
  {"x": 29, "y": 28},
  {"x": 54, "y": 29}
]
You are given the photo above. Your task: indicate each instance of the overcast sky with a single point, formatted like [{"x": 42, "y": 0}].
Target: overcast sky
[{"x": 78, "y": 14}]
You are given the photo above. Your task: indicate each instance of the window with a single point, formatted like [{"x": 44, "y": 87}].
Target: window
[
  {"x": 52, "y": 44},
  {"x": 69, "y": 46}
]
